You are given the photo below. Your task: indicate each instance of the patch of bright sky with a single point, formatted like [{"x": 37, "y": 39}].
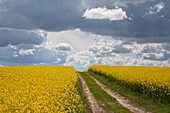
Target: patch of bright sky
[{"x": 78, "y": 39}]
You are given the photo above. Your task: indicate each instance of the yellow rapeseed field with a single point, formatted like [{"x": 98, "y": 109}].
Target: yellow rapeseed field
[
  {"x": 39, "y": 89},
  {"x": 154, "y": 81},
  {"x": 85, "y": 70}
]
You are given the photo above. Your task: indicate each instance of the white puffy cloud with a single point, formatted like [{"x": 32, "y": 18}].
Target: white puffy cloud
[
  {"x": 84, "y": 59},
  {"x": 27, "y": 52},
  {"x": 115, "y": 52},
  {"x": 104, "y": 47},
  {"x": 23, "y": 53},
  {"x": 157, "y": 8},
  {"x": 89, "y": 49},
  {"x": 152, "y": 56},
  {"x": 79, "y": 40},
  {"x": 152, "y": 48},
  {"x": 63, "y": 47},
  {"x": 146, "y": 48},
  {"x": 15, "y": 54},
  {"x": 151, "y": 51},
  {"x": 144, "y": 62},
  {"x": 104, "y": 13},
  {"x": 162, "y": 16},
  {"x": 79, "y": 59},
  {"x": 54, "y": 49},
  {"x": 156, "y": 56}
]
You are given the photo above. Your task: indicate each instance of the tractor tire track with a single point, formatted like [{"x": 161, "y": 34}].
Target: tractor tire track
[
  {"x": 95, "y": 108},
  {"x": 124, "y": 102}
]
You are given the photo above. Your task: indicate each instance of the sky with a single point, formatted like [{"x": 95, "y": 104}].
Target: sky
[{"x": 81, "y": 33}]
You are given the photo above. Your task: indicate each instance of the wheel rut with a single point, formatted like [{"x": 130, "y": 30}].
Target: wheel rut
[
  {"x": 124, "y": 102},
  {"x": 94, "y": 107}
]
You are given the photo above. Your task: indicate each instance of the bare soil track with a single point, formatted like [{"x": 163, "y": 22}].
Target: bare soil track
[
  {"x": 124, "y": 102},
  {"x": 95, "y": 108}
]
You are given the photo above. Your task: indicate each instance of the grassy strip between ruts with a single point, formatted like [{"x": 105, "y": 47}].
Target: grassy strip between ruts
[
  {"x": 83, "y": 98},
  {"x": 141, "y": 100},
  {"x": 104, "y": 100}
]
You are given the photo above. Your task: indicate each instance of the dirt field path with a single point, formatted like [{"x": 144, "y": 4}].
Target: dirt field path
[
  {"x": 124, "y": 102},
  {"x": 95, "y": 108}
]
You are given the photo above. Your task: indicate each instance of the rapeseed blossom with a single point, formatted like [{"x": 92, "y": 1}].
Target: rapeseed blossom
[
  {"x": 40, "y": 89},
  {"x": 154, "y": 81}
]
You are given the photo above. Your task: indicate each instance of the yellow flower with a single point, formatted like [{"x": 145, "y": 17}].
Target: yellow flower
[
  {"x": 39, "y": 89},
  {"x": 139, "y": 78}
]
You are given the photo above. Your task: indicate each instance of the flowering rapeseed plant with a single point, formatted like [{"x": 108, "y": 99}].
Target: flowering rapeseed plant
[
  {"x": 39, "y": 89},
  {"x": 154, "y": 81}
]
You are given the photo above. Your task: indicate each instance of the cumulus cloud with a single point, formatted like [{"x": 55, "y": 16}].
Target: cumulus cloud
[
  {"x": 15, "y": 54},
  {"x": 106, "y": 51},
  {"x": 26, "y": 52},
  {"x": 147, "y": 48},
  {"x": 144, "y": 62},
  {"x": 156, "y": 56},
  {"x": 45, "y": 53},
  {"x": 153, "y": 56},
  {"x": 63, "y": 47},
  {"x": 39, "y": 54},
  {"x": 152, "y": 48},
  {"x": 82, "y": 60},
  {"x": 157, "y": 8},
  {"x": 151, "y": 51},
  {"x": 107, "y": 47},
  {"x": 104, "y": 13},
  {"x": 78, "y": 39},
  {"x": 140, "y": 29},
  {"x": 79, "y": 59},
  {"x": 101, "y": 51},
  {"x": 57, "y": 48},
  {"x": 23, "y": 46}
]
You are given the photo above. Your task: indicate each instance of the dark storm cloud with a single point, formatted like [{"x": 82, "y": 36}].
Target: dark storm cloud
[
  {"x": 143, "y": 28},
  {"x": 124, "y": 3},
  {"x": 15, "y": 37},
  {"x": 146, "y": 39},
  {"x": 58, "y": 15},
  {"x": 44, "y": 14}
]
